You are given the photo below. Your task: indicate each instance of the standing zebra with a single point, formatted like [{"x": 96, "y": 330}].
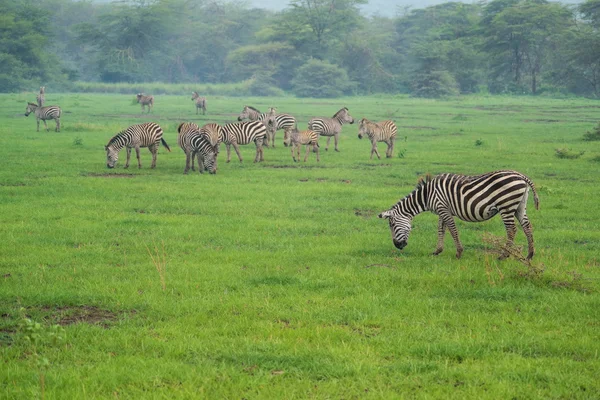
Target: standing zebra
[
  {"x": 296, "y": 138},
  {"x": 331, "y": 126},
  {"x": 148, "y": 134},
  {"x": 40, "y": 97},
  {"x": 282, "y": 121},
  {"x": 145, "y": 100},
  {"x": 384, "y": 131},
  {"x": 44, "y": 114},
  {"x": 241, "y": 133},
  {"x": 200, "y": 102},
  {"x": 470, "y": 198},
  {"x": 194, "y": 143}
]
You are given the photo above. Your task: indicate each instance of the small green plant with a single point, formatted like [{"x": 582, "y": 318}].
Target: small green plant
[
  {"x": 594, "y": 135},
  {"x": 595, "y": 159},
  {"x": 77, "y": 141},
  {"x": 401, "y": 153},
  {"x": 159, "y": 263},
  {"x": 568, "y": 154},
  {"x": 459, "y": 117},
  {"x": 478, "y": 142}
]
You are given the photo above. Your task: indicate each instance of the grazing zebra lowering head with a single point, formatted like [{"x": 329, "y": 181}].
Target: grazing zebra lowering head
[
  {"x": 331, "y": 126},
  {"x": 200, "y": 102},
  {"x": 195, "y": 143},
  {"x": 280, "y": 121},
  {"x": 148, "y": 134},
  {"x": 145, "y": 100},
  {"x": 384, "y": 131},
  {"x": 44, "y": 113},
  {"x": 470, "y": 198}
]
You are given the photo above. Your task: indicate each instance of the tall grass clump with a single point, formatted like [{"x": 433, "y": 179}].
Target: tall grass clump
[{"x": 594, "y": 135}]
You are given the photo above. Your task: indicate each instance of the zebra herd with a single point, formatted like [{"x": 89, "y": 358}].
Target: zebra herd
[{"x": 469, "y": 198}]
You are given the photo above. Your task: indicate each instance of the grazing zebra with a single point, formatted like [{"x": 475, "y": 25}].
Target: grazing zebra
[
  {"x": 240, "y": 133},
  {"x": 296, "y": 138},
  {"x": 331, "y": 126},
  {"x": 200, "y": 102},
  {"x": 282, "y": 121},
  {"x": 194, "y": 143},
  {"x": 384, "y": 131},
  {"x": 470, "y": 198},
  {"x": 40, "y": 97},
  {"x": 148, "y": 134},
  {"x": 214, "y": 133},
  {"x": 44, "y": 114},
  {"x": 145, "y": 100}
]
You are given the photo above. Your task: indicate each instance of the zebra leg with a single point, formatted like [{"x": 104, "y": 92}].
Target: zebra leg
[
  {"x": 128, "y": 150},
  {"x": 45, "y": 125},
  {"x": 335, "y": 140},
  {"x": 292, "y": 150},
  {"x": 511, "y": 231},
  {"x": 390, "y": 149},
  {"x": 448, "y": 221},
  {"x": 374, "y": 150},
  {"x": 200, "y": 163},
  {"x": 316, "y": 150},
  {"x": 187, "y": 162},
  {"x": 154, "y": 150},
  {"x": 57, "y": 120},
  {"x": 441, "y": 233},
  {"x": 237, "y": 150},
  {"x": 526, "y": 225},
  {"x": 307, "y": 151},
  {"x": 38, "y": 124},
  {"x": 228, "y": 147},
  {"x": 327, "y": 146}
]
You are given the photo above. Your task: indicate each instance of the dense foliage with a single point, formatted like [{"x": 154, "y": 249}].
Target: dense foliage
[{"x": 500, "y": 46}]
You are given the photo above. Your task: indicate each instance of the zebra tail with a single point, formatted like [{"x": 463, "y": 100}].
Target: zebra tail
[
  {"x": 536, "y": 199},
  {"x": 165, "y": 144}
]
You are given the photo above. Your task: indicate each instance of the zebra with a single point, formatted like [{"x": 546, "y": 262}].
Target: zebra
[
  {"x": 470, "y": 198},
  {"x": 240, "y": 133},
  {"x": 214, "y": 133},
  {"x": 331, "y": 126},
  {"x": 282, "y": 121},
  {"x": 40, "y": 97},
  {"x": 200, "y": 102},
  {"x": 296, "y": 138},
  {"x": 44, "y": 114},
  {"x": 384, "y": 131},
  {"x": 148, "y": 134},
  {"x": 145, "y": 100},
  {"x": 194, "y": 143}
]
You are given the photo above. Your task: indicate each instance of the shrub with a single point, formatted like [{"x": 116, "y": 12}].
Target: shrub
[
  {"x": 594, "y": 135},
  {"x": 568, "y": 154},
  {"x": 434, "y": 84},
  {"x": 321, "y": 79}
]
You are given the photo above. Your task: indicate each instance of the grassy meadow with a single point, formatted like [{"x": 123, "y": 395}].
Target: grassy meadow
[{"x": 277, "y": 280}]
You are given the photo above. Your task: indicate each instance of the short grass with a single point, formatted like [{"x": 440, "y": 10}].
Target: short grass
[{"x": 277, "y": 280}]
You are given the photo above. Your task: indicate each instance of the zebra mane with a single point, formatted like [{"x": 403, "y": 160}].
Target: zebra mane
[
  {"x": 252, "y": 108},
  {"x": 179, "y": 127},
  {"x": 424, "y": 181},
  {"x": 114, "y": 138},
  {"x": 32, "y": 104},
  {"x": 340, "y": 111}
]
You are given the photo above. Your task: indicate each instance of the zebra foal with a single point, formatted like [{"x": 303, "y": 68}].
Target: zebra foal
[
  {"x": 294, "y": 138},
  {"x": 384, "y": 131},
  {"x": 331, "y": 126},
  {"x": 44, "y": 114},
  {"x": 274, "y": 121},
  {"x": 148, "y": 134},
  {"x": 200, "y": 102},
  {"x": 241, "y": 133},
  {"x": 145, "y": 100},
  {"x": 471, "y": 198},
  {"x": 194, "y": 143}
]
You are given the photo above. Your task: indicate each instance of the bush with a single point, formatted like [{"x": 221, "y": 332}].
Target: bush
[
  {"x": 594, "y": 135},
  {"x": 321, "y": 79},
  {"x": 568, "y": 154},
  {"x": 434, "y": 84}
]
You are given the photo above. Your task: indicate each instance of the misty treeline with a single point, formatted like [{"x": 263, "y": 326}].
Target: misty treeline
[{"x": 317, "y": 48}]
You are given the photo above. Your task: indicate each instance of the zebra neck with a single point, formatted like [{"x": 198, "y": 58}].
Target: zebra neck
[{"x": 415, "y": 203}]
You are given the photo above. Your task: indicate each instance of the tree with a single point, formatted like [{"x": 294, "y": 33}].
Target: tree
[{"x": 321, "y": 79}]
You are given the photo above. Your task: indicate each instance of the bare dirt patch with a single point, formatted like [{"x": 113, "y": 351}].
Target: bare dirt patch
[{"x": 69, "y": 315}]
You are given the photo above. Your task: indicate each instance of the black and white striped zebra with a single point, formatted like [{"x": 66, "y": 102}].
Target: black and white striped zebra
[
  {"x": 241, "y": 133},
  {"x": 470, "y": 198},
  {"x": 282, "y": 121},
  {"x": 148, "y": 134},
  {"x": 41, "y": 99},
  {"x": 194, "y": 143},
  {"x": 384, "y": 131},
  {"x": 145, "y": 100},
  {"x": 295, "y": 138},
  {"x": 200, "y": 102},
  {"x": 214, "y": 133},
  {"x": 331, "y": 126},
  {"x": 44, "y": 114}
]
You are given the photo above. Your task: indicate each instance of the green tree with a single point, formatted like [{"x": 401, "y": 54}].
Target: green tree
[{"x": 321, "y": 79}]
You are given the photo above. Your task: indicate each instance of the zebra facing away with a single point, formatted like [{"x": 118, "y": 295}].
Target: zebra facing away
[
  {"x": 200, "y": 102},
  {"x": 145, "y": 100},
  {"x": 241, "y": 133},
  {"x": 282, "y": 121},
  {"x": 331, "y": 126},
  {"x": 44, "y": 114},
  {"x": 470, "y": 198},
  {"x": 294, "y": 138},
  {"x": 384, "y": 131},
  {"x": 40, "y": 97},
  {"x": 148, "y": 134},
  {"x": 194, "y": 143}
]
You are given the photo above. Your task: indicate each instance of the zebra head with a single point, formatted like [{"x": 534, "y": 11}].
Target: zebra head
[
  {"x": 139, "y": 96},
  {"x": 244, "y": 114},
  {"x": 195, "y": 95},
  {"x": 112, "y": 156},
  {"x": 287, "y": 135},
  {"x": 210, "y": 161},
  {"x": 343, "y": 116},
  {"x": 31, "y": 107},
  {"x": 362, "y": 128},
  {"x": 400, "y": 226}
]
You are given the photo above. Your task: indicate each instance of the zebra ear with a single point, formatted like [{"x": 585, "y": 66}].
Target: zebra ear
[{"x": 385, "y": 214}]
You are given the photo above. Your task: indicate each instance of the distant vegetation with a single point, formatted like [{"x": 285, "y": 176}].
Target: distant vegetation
[{"x": 317, "y": 48}]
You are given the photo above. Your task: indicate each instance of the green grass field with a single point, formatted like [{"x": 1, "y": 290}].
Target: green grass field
[{"x": 277, "y": 280}]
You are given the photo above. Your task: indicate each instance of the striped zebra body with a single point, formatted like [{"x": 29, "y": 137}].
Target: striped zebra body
[
  {"x": 214, "y": 134},
  {"x": 331, "y": 127},
  {"x": 194, "y": 143},
  {"x": 295, "y": 139},
  {"x": 281, "y": 121},
  {"x": 148, "y": 134},
  {"x": 470, "y": 198},
  {"x": 384, "y": 131},
  {"x": 41, "y": 99},
  {"x": 242, "y": 133},
  {"x": 44, "y": 114},
  {"x": 145, "y": 100},
  {"x": 200, "y": 102}
]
